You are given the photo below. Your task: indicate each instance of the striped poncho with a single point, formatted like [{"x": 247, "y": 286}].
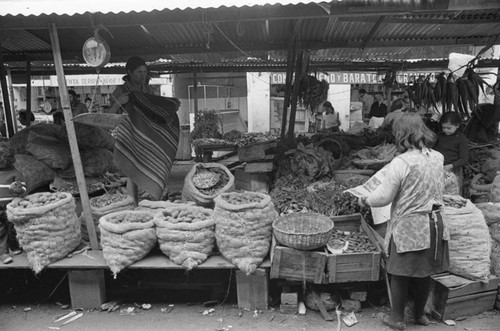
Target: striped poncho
[{"x": 147, "y": 140}]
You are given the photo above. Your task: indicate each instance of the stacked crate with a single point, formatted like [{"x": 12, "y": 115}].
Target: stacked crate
[{"x": 259, "y": 163}]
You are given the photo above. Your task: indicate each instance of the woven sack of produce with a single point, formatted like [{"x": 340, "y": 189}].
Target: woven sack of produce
[
  {"x": 97, "y": 162},
  {"x": 186, "y": 234},
  {"x": 495, "y": 258},
  {"x": 126, "y": 237},
  {"x": 469, "y": 243},
  {"x": 49, "y": 151},
  {"x": 156, "y": 206},
  {"x": 35, "y": 173},
  {"x": 491, "y": 212},
  {"x": 243, "y": 228},
  {"x": 89, "y": 137},
  {"x": 490, "y": 168},
  {"x": 104, "y": 205},
  {"x": 205, "y": 182},
  {"x": 47, "y": 227},
  {"x": 17, "y": 143}
]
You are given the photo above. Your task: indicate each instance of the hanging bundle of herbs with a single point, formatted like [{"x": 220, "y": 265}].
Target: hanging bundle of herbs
[{"x": 207, "y": 124}]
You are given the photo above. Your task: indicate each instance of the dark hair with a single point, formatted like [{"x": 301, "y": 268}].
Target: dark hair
[
  {"x": 411, "y": 132},
  {"x": 362, "y": 91},
  {"x": 73, "y": 93},
  {"x": 397, "y": 104},
  {"x": 133, "y": 63},
  {"x": 88, "y": 99},
  {"x": 328, "y": 104},
  {"x": 451, "y": 117}
]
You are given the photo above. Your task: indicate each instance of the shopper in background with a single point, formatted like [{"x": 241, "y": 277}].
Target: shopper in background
[
  {"x": 378, "y": 112},
  {"x": 453, "y": 145},
  {"x": 397, "y": 110},
  {"x": 330, "y": 120},
  {"x": 77, "y": 107},
  {"x": 88, "y": 104},
  {"x": 367, "y": 101},
  {"x": 417, "y": 238},
  {"x": 3, "y": 129}
]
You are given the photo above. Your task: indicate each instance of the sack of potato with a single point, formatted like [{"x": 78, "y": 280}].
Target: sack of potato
[
  {"x": 47, "y": 226},
  {"x": 126, "y": 237},
  {"x": 205, "y": 182},
  {"x": 106, "y": 204},
  {"x": 156, "y": 206},
  {"x": 186, "y": 234},
  {"x": 243, "y": 227}
]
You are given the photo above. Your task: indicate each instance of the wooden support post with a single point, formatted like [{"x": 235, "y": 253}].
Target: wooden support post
[
  {"x": 389, "y": 99},
  {"x": 75, "y": 153},
  {"x": 195, "y": 94},
  {"x": 295, "y": 94},
  {"x": 12, "y": 104},
  {"x": 28, "y": 91},
  {"x": 86, "y": 288},
  {"x": 6, "y": 101},
  {"x": 252, "y": 290}
]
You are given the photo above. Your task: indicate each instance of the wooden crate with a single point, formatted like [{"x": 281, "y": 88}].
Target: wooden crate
[
  {"x": 251, "y": 182},
  {"x": 454, "y": 296},
  {"x": 320, "y": 267},
  {"x": 355, "y": 267},
  {"x": 256, "y": 152}
]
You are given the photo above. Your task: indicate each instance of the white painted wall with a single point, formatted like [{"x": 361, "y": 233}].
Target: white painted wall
[
  {"x": 258, "y": 99},
  {"x": 340, "y": 97}
]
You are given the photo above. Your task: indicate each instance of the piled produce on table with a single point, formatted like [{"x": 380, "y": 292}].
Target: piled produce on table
[
  {"x": 350, "y": 242},
  {"x": 255, "y": 138},
  {"x": 469, "y": 243},
  {"x": 232, "y": 136},
  {"x": 243, "y": 228},
  {"x": 376, "y": 157},
  {"x": 47, "y": 227},
  {"x": 312, "y": 92},
  {"x": 126, "y": 237},
  {"x": 207, "y": 124},
  {"x": 312, "y": 161},
  {"x": 62, "y": 186},
  {"x": 208, "y": 141},
  {"x": 103, "y": 205},
  {"x": 186, "y": 234},
  {"x": 205, "y": 182}
]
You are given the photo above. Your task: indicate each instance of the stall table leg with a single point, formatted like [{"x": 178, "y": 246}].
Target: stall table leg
[
  {"x": 252, "y": 289},
  {"x": 87, "y": 289}
]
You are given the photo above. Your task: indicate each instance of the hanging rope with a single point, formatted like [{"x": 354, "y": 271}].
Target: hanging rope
[{"x": 98, "y": 71}]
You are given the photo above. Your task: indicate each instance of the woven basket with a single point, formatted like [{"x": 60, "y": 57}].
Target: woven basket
[
  {"x": 373, "y": 164},
  {"x": 305, "y": 231}
]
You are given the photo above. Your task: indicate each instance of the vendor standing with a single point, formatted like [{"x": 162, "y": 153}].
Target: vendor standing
[
  {"x": 134, "y": 80},
  {"x": 416, "y": 239},
  {"x": 330, "y": 119},
  {"x": 367, "y": 101},
  {"x": 378, "y": 112}
]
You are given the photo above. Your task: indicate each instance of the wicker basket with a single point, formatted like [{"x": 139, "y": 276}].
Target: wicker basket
[
  {"x": 305, "y": 231},
  {"x": 372, "y": 164}
]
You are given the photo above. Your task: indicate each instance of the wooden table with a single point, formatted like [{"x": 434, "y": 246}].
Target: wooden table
[{"x": 206, "y": 151}]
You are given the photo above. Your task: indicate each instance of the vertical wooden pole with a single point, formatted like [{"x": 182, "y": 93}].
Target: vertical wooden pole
[
  {"x": 6, "y": 101},
  {"x": 12, "y": 104},
  {"x": 389, "y": 99},
  {"x": 28, "y": 90},
  {"x": 295, "y": 94},
  {"x": 195, "y": 94},
  {"x": 75, "y": 153}
]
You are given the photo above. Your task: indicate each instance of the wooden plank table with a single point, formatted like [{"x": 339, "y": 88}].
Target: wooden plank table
[
  {"x": 86, "y": 279},
  {"x": 206, "y": 151}
]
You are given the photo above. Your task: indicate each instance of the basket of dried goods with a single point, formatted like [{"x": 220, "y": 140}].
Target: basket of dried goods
[
  {"x": 205, "y": 182},
  {"x": 47, "y": 226},
  {"x": 126, "y": 237},
  {"x": 186, "y": 234},
  {"x": 243, "y": 227},
  {"x": 305, "y": 231},
  {"x": 375, "y": 158},
  {"x": 108, "y": 203},
  {"x": 349, "y": 242}
]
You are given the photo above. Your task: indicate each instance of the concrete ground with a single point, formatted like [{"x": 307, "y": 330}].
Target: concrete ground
[{"x": 225, "y": 318}]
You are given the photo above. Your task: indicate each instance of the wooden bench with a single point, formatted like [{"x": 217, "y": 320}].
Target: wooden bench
[{"x": 86, "y": 277}]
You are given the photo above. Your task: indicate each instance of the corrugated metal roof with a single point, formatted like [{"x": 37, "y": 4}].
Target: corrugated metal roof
[{"x": 72, "y": 7}]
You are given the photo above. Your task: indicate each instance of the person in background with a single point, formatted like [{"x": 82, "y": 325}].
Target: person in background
[
  {"x": 397, "y": 108},
  {"x": 3, "y": 128},
  {"x": 77, "y": 107},
  {"x": 330, "y": 119},
  {"x": 453, "y": 145},
  {"x": 417, "y": 237},
  {"x": 88, "y": 104},
  {"x": 135, "y": 80},
  {"x": 367, "y": 101},
  {"x": 378, "y": 112}
]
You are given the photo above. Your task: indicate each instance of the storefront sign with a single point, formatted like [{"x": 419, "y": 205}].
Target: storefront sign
[
  {"x": 90, "y": 80},
  {"x": 403, "y": 77}
]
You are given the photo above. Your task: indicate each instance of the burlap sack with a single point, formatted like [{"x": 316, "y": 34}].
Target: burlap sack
[
  {"x": 126, "y": 237},
  {"x": 469, "y": 243},
  {"x": 186, "y": 234},
  {"x": 191, "y": 193},
  {"x": 491, "y": 212},
  {"x": 243, "y": 231},
  {"x": 47, "y": 227}
]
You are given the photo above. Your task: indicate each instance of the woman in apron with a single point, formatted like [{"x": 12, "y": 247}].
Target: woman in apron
[{"x": 416, "y": 239}]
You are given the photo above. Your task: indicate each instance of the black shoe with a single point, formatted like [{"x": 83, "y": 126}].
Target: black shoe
[
  {"x": 422, "y": 320},
  {"x": 388, "y": 321}
]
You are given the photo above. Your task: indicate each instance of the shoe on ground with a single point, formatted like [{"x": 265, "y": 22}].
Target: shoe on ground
[
  {"x": 6, "y": 259},
  {"x": 16, "y": 251},
  {"x": 422, "y": 320},
  {"x": 388, "y": 321}
]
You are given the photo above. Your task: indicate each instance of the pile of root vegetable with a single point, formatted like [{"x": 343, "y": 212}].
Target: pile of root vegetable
[
  {"x": 241, "y": 199},
  {"x": 357, "y": 242},
  {"x": 39, "y": 200},
  {"x": 223, "y": 179},
  {"x": 108, "y": 199}
]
